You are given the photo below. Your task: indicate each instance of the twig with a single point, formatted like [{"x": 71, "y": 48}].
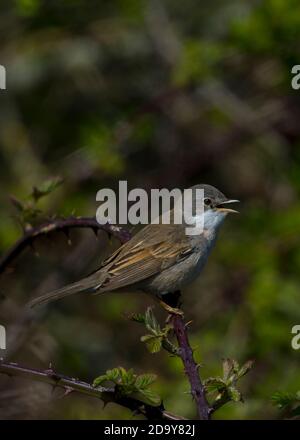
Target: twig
[
  {"x": 57, "y": 225},
  {"x": 190, "y": 367},
  {"x": 69, "y": 384}
]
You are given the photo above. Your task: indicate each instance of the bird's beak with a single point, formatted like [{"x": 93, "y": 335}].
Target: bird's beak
[{"x": 221, "y": 208}]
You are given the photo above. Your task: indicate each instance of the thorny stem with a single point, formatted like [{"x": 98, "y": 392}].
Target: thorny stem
[
  {"x": 57, "y": 225},
  {"x": 191, "y": 368},
  {"x": 69, "y": 384},
  {"x": 47, "y": 376}
]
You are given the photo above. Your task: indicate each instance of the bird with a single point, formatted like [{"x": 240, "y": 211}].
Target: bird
[{"x": 159, "y": 259}]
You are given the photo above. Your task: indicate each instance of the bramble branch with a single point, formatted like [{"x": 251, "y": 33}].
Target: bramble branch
[
  {"x": 107, "y": 395},
  {"x": 59, "y": 225},
  {"x": 185, "y": 352},
  {"x": 190, "y": 367}
]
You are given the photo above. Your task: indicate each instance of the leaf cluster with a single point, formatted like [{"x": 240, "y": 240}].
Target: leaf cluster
[
  {"x": 157, "y": 337},
  {"x": 224, "y": 389},
  {"x": 127, "y": 383}
]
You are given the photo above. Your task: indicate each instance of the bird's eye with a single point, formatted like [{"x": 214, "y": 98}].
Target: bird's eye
[{"x": 207, "y": 202}]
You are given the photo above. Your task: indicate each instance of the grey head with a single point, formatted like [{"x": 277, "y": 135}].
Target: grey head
[
  {"x": 214, "y": 199},
  {"x": 215, "y": 205}
]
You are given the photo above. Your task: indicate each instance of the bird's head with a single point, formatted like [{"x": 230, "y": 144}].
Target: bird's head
[{"x": 216, "y": 205}]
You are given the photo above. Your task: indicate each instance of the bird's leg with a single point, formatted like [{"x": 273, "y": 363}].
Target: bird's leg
[{"x": 170, "y": 302}]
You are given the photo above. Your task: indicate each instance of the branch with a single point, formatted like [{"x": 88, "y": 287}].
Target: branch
[
  {"x": 69, "y": 384},
  {"x": 56, "y": 225},
  {"x": 190, "y": 367}
]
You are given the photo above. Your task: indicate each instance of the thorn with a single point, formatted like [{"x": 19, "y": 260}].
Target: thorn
[
  {"x": 188, "y": 323},
  {"x": 95, "y": 230},
  {"x": 33, "y": 249},
  {"x": 53, "y": 388},
  {"x": 68, "y": 391},
  {"x": 211, "y": 411},
  {"x": 67, "y": 234}
]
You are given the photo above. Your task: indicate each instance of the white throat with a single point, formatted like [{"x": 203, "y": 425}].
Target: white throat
[
  {"x": 213, "y": 219},
  {"x": 210, "y": 221}
]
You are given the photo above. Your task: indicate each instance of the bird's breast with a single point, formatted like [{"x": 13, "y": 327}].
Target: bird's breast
[{"x": 181, "y": 273}]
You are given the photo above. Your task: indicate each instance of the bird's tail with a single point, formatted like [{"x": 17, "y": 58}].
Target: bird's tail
[{"x": 88, "y": 284}]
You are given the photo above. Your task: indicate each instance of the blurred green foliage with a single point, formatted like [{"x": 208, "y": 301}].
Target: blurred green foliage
[{"x": 162, "y": 94}]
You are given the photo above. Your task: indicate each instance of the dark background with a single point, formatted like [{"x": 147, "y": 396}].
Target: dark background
[{"x": 162, "y": 94}]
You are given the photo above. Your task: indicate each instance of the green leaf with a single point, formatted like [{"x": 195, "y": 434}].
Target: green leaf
[
  {"x": 245, "y": 368},
  {"x": 282, "y": 399},
  {"x": 228, "y": 367},
  {"x": 234, "y": 394},
  {"x": 148, "y": 397},
  {"x": 99, "y": 380},
  {"x": 114, "y": 375},
  {"x": 128, "y": 378},
  {"x": 138, "y": 317},
  {"x": 214, "y": 384},
  {"x": 46, "y": 188},
  {"x": 153, "y": 342},
  {"x": 151, "y": 322},
  {"x": 144, "y": 380}
]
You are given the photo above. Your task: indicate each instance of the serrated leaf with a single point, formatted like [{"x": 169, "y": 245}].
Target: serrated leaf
[
  {"x": 214, "y": 384},
  {"x": 234, "y": 394},
  {"x": 245, "y": 368},
  {"x": 282, "y": 399},
  {"x": 149, "y": 397},
  {"x": 123, "y": 375},
  {"x": 228, "y": 367},
  {"x": 46, "y": 188},
  {"x": 99, "y": 380},
  {"x": 153, "y": 343},
  {"x": 151, "y": 322},
  {"x": 236, "y": 366},
  {"x": 138, "y": 317},
  {"x": 145, "y": 380},
  {"x": 113, "y": 375},
  {"x": 128, "y": 378}
]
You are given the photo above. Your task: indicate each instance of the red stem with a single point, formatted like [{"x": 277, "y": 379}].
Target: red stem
[{"x": 191, "y": 368}]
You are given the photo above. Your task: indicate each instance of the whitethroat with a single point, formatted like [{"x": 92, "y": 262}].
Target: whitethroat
[{"x": 159, "y": 259}]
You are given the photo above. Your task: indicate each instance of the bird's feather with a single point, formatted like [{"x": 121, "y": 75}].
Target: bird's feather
[{"x": 146, "y": 254}]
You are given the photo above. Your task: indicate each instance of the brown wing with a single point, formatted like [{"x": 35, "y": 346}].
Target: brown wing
[
  {"x": 146, "y": 254},
  {"x": 153, "y": 249}
]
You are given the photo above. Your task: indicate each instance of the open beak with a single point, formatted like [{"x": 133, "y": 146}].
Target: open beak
[{"x": 221, "y": 208}]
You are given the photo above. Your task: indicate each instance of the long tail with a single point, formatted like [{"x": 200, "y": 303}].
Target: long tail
[{"x": 88, "y": 284}]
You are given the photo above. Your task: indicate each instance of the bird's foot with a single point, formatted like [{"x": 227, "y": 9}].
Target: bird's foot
[{"x": 171, "y": 310}]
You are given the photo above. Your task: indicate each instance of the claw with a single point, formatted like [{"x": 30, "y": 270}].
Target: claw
[{"x": 171, "y": 310}]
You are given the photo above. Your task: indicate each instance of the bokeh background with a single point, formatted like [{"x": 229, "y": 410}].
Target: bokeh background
[{"x": 162, "y": 94}]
